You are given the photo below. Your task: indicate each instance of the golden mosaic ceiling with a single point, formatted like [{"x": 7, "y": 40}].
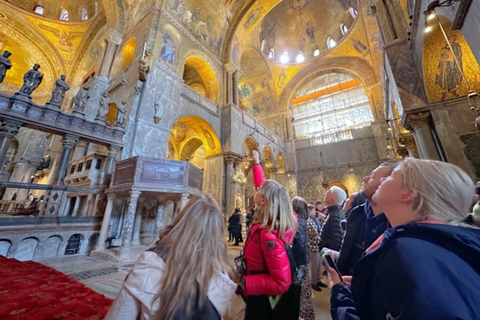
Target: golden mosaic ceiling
[{"x": 294, "y": 26}]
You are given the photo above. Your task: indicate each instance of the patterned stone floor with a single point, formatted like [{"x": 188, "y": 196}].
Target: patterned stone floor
[{"x": 106, "y": 277}]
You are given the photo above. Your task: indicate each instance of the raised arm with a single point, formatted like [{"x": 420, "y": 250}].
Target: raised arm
[{"x": 258, "y": 176}]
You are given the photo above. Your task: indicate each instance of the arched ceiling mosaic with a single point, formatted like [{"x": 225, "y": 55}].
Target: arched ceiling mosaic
[{"x": 303, "y": 26}]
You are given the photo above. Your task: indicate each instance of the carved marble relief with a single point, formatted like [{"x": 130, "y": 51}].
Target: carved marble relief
[{"x": 213, "y": 177}]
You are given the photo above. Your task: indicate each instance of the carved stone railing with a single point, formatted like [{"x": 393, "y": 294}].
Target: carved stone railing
[{"x": 55, "y": 121}]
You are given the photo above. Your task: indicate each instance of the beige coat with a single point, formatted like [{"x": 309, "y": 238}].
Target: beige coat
[{"x": 135, "y": 299}]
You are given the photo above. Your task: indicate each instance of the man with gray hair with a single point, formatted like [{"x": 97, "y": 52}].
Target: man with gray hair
[{"x": 332, "y": 233}]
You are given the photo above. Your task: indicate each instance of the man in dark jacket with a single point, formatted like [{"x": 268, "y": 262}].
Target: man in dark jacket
[
  {"x": 365, "y": 223},
  {"x": 234, "y": 225},
  {"x": 332, "y": 234}
]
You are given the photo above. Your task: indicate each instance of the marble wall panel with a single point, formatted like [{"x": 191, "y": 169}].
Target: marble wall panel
[
  {"x": 4, "y": 247},
  {"x": 26, "y": 249},
  {"x": 50, "y": 247},
  {"x": 213, "y": 177}
]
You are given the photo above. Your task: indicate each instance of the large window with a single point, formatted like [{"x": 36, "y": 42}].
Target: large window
[{"x": 330, "y": 106}]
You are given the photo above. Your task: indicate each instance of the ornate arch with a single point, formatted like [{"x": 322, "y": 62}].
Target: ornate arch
[{"x": 354, "y": 65}]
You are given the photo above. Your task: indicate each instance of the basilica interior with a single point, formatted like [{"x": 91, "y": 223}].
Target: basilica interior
[{"x": 137, "y": 104}]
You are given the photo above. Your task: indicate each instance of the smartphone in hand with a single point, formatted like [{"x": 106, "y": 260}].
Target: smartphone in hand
[{"x": 328, "y": 261}]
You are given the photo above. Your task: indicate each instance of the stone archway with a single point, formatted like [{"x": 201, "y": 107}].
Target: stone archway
[{"x": 199, "y": 76}]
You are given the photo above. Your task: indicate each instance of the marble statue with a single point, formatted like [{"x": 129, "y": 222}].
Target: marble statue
[
  {"x": 5, "y": 64},
  {"x": 31, "y": 80},
  {"x": 120, "y": 116},
  {"x": 103, "y": 109},
  {"x": 59, "y": 92},
  {"x": 81, "y": 99}
]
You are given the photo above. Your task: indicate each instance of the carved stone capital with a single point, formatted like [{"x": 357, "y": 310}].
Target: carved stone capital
[
  {"x": 113, "y": 151},
  {"x": 408, "y": 140},
  {"x": 135, "y": 194},
  {"x": 69, "y": 141},
  {"x": 10, "y": 128},
  {"x": 416, "y": 120},
  {"x": 237, "y": 74},
  {"x": 232, "y": 157}
]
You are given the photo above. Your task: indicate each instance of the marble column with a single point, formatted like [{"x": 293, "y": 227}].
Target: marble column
[
  {"x": 235, "y": 96},
  {"x": 88, "y": 205},
  {"x": 423, "y": 135},
  {"x": 129, "y": 221},
  {"x": 105, "y": 222},
  {"x": 93, "y": 207},
  {"x": 113, "y": 151},
  {"x": 168, "y": 212},
  {"x": 183, "y": 201},
  {"x": 158, "y": 219},
  {"x": 229, "y": 83},
  {"x": 229, "y": 195},
  {"x": 75, "y": 207},
  {"x": 8, "y": 130},
  {"x": 68, "y": 142},
  {"x": 136, "y": 229},
  {"x": 114, "y": 41}
]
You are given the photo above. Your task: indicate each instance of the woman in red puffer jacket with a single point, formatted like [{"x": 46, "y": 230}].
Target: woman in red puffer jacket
[{"x": 268, "y": 273}]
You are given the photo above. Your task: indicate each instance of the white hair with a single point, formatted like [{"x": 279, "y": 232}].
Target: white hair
[
  {"x": 445, "y": 191},
  {"x": 340, "y": 195}
]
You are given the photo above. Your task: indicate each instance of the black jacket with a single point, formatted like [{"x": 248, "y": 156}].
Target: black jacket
[
  {"x": 300, "y": 245},
  {"x": 332, "y": 234},
  {"x": 363, "y": 227}
]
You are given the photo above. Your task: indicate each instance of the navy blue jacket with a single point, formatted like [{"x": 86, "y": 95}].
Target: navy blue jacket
[
  {"x": 363, "y": 227},
  {"x": 419, "y": 271}
]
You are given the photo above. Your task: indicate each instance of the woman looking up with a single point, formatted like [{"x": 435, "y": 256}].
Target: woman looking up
[
  {"x": 300, "y": 252},
  {"x": 427, "y": 266},
  {"x": 268, "y": 274},
  {"x": 185, "y": 276}
]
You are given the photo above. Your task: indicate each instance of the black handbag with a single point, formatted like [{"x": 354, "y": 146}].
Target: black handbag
[{"x": 284, "y": 306}]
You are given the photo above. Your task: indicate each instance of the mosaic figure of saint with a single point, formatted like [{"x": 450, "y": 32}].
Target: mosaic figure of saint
[
  {"x": 449, "y": 74},
  {"x": 253, "y": 17},
  {"x": 168, "y": 51},
  {"x": 310, "y": 33}
]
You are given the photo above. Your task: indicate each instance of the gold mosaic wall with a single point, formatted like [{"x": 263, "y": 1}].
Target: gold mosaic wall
[{"x": 443, "y": 81}]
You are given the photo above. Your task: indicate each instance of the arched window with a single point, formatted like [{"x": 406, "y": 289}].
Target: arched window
[
  {"x": 343, "y": 28},
  {"x": 353, "y": 12},
  {"x": 329, "y": 107},
  {"x": 38, "y": 9},
  {"x": 331, "y": 43},
  {"x": 64, "y": 15},
  {"x": 262, "y": 47},
  {"x": 84, "y": 14},
  {"x": 316, "y": 52},
  {"x": 271, "y": 54}
]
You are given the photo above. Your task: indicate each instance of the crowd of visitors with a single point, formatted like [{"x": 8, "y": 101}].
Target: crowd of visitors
[{"x": 407, "y": 243}]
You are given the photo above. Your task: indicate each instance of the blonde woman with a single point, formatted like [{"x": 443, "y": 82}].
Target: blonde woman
[
  {"x": 185, "y": 276},
  {"x": 268, "y": 275},
  {"x": 427, "y": 266}
]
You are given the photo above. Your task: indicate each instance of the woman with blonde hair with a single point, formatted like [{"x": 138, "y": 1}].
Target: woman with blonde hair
[
  {"x": 427, "y": 266},
  {"x": 268, "y": 274},
  {"x": 185, "y": 276}
]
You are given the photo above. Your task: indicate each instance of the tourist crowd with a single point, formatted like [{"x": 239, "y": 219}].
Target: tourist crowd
[{"x": 405, "y": 246}]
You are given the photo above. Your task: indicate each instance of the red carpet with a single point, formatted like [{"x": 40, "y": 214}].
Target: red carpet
[{"x": 30, "y": 290}]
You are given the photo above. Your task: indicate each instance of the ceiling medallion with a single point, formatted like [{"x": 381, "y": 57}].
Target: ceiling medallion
[{"x": 298, "y": 4}]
